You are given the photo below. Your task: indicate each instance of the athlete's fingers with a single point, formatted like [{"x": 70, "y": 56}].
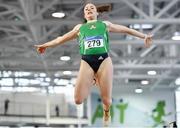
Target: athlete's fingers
[
  {"x": 148, "y": 40},
  {"x": 41, "y": 50}
]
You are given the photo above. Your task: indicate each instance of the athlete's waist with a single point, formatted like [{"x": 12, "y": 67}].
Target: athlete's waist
[{"x": 96, "y": 55}]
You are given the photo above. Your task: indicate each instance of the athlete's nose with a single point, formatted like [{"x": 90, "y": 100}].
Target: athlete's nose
[{"x": 89, "y": 9}]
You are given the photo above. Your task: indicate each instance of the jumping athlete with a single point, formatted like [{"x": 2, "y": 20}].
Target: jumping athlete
[{"x": 95, "y": 62}]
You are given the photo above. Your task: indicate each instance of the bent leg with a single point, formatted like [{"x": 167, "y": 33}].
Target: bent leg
[{"x": 84, "y": 82}]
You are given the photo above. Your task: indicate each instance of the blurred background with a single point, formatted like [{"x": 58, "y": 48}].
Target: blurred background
[{"x": 37, "y": 90}]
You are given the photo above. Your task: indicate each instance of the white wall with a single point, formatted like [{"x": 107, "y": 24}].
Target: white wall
[
  {"x": 33, "y": 103},
  {"x": 140, "y": 108}
]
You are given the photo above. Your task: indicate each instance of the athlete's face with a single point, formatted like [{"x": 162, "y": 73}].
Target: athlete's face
[{"x": 90, "y": 12}]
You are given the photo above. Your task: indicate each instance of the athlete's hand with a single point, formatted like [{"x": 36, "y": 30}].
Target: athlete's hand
[
  {"x": 40, "y": 48},
  {"x": 148, "y": 40}
]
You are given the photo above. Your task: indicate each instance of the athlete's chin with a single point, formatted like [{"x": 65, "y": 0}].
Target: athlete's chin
[{"x": 91, "y": 17}]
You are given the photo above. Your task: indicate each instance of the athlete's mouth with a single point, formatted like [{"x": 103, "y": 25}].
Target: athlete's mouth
[{"x": 90, "y": 13}]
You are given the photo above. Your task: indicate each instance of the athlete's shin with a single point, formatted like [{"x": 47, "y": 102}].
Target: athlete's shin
[
  {"x": 106, "y": 103},
  {"x": 106, "y": 113}
]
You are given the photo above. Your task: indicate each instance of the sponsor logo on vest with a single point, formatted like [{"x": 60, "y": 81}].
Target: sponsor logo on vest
[
  {"x": 92, "y": 27},
  {"x": 100, "y": 58}
]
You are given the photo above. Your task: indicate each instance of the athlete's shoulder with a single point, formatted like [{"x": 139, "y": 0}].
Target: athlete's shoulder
[
  {"x": 108, "y": 23},
  {"x": 77, "y": 27}
]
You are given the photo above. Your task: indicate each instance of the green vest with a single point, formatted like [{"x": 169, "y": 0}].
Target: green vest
[{"x": 93, "y": 38}]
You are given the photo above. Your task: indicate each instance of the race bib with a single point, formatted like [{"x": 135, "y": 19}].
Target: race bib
[{"x": 93, "y": 42}]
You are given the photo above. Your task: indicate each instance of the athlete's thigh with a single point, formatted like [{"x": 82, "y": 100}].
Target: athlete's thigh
[
  {"x": 84, "y": 80},
  {"x": 105, "y": 78}
]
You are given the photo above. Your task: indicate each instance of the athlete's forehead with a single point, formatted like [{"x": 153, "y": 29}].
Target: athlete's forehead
[{"x": 89, "y": 5}]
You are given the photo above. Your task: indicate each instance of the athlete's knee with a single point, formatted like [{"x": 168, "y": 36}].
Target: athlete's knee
[
  {"x": 78, "y": 100},
  {"x": 107, "y": 101}
]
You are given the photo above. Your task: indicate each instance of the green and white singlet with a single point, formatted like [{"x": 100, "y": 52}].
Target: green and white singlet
[{"x": 93, "y": 38}]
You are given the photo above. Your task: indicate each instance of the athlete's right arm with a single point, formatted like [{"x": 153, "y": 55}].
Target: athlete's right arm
[{"x": 59, "y": 40}]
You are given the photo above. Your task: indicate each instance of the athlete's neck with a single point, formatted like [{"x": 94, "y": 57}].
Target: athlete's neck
[{"x": 89, "y": 21}]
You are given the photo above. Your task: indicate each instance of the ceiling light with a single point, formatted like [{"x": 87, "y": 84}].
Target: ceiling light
[
  {"x": 42, "y": 74},
  {"x": 144, "y": 82},
  {"x": 57, "y": 74},
  {"x": 152, "y": 72},
  {"x": 37, "y": 82},
  {"x": 26, "y": 89},
  {"x": 23, "y": 81},
  {"x": 58, "y": 14},
  {"x": 177, "y": 82},
  {"x": 48, "y": 79},
  {"x": 176, "y": 36},
  {"x": 67, "y": 72},
  {"x": 7, "y": 89},
  {"x": 25, "y": 73},
  {"x": 65, "y": 58},
  {"x": 7, "y": 82},
  {"x": 61, "y": 81},
  {"x": 143, "y": 26},
  {"x": 44, "y": 83},
  {"x": 138, "y": 90}
]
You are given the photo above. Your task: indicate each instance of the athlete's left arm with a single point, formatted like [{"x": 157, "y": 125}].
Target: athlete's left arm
[{"x": 123, "y": 29}]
